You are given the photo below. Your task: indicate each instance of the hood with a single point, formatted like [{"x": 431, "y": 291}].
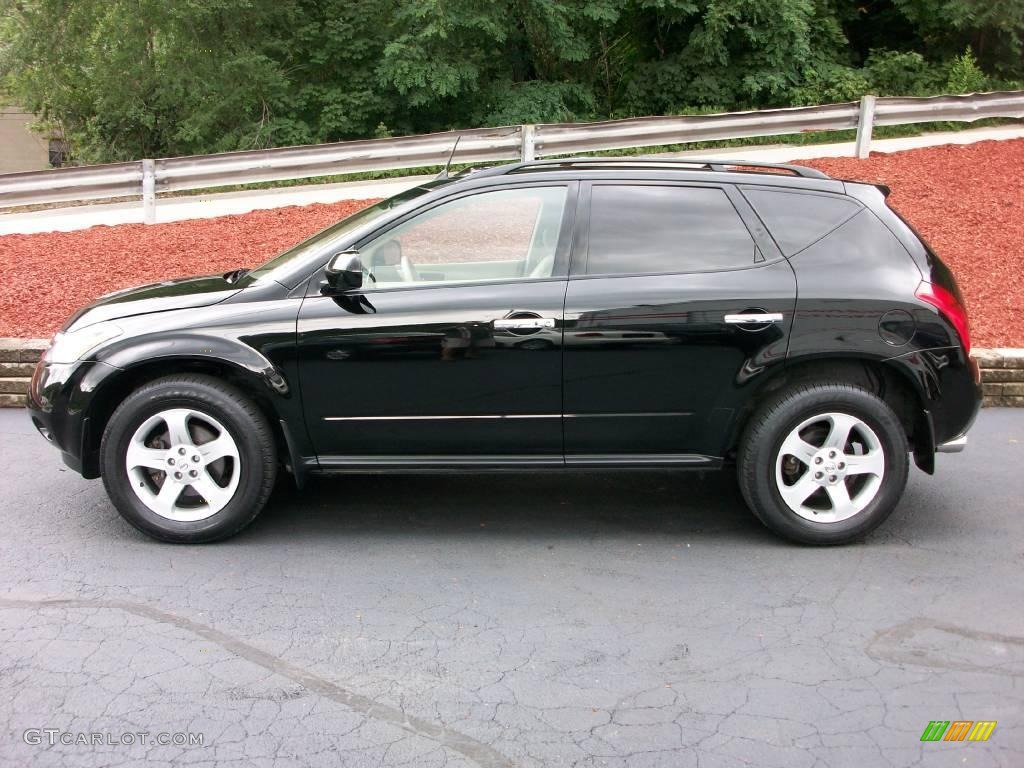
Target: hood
[{"x": 185, "y": 293}]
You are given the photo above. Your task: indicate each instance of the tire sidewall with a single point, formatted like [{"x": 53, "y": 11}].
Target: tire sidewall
[
  {"x": 789, "y": 414},
  {"x": 151, "y": 400}
]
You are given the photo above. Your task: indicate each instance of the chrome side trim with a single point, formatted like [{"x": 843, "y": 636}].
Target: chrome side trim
[
  {"x": 445, "y": 418},
  {"x": 624, "y": 415},
  {"x": 638, "y": 459},
  {"x": 497, "y": 417},
  {"x": 334, "y": 462},
  {"x": 952, "y": 446},
  {"x": 754, "y": 317}
]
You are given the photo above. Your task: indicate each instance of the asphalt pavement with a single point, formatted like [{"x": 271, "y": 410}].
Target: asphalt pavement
[{"x": 611, "y": 619}]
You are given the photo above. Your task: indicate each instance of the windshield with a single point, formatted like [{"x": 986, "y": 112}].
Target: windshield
[{"x": 338, "y": 231}]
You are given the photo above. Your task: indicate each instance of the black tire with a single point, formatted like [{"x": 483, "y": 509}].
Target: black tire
[
  {"x": 257, "y": 465},
  {"x": 774, "y": 421}
]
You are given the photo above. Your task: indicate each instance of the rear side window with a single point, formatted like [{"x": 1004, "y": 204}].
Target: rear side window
[
  {"x": 650, "y": 228},
  {"x": 798, "y": 219}
]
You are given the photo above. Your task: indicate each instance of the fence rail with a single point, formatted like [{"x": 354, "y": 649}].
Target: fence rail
[{"x": 526, "y": 142}]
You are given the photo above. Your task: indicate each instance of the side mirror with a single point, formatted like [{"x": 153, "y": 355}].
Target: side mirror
[{"x": 345, "y": 270}]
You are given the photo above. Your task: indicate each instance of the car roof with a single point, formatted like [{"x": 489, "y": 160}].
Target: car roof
[{"x": 665, "y": 169}]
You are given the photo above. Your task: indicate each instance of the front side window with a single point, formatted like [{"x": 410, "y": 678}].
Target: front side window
[
  {"x": 337, "y": 232},
  {"x": 500, "y": 235},
  {"x": 651, "y": 228}
]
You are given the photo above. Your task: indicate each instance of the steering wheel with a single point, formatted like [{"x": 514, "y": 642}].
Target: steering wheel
[{"x": 407, "y": 270}]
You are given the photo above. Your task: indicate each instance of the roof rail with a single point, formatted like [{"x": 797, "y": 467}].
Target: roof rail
[{"x": 696, "y": 163}]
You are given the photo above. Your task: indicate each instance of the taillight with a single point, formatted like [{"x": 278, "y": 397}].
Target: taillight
[{"x": 950, "y": 308}]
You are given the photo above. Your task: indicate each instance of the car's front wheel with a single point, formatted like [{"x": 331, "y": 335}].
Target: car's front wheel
[
  {"x": 823, "y": 463},
  {"x": 188, "y": 459}
]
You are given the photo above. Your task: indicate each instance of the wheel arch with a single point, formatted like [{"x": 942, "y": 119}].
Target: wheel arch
[
  {"x": 121, "y": 382},
  {"x": 887, "y": 379}
]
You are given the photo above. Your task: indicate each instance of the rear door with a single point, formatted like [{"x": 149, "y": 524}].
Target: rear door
[{"x": 678, "y": 302}]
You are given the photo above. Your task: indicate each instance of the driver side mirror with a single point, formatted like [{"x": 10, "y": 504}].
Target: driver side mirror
[{"x": 345, "y": 270}]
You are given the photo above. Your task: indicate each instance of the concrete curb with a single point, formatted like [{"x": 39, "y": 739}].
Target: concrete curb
[{"x": 1002, "y": 372}]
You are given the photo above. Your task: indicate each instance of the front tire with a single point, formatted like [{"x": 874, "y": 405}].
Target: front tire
[
  {"x": 188, "y": 459},
  {"x": 823, "y": 463}
]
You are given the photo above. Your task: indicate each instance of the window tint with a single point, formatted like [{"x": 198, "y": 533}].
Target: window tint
[
  {"x": 499, "y": 235},
  {"x": 796, "y": 220},
  {"x": 665, "y": 229}
]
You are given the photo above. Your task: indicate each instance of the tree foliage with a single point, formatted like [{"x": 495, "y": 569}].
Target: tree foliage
[{"x": 126, "y": 79}]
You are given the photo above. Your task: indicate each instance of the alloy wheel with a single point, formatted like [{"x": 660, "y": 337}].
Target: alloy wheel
[
  {"x": 183, "y": 464},
  {"x": 830, "y": 467}
]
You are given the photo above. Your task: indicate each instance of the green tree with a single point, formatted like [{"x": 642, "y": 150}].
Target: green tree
[
  {"x": 478, "y": 61},
  {"x": 330, "y": 55},
  {"x": 137, "y": 78},
  {"x": 131, "y": 78},
  {"x": 994, "y": 29}
]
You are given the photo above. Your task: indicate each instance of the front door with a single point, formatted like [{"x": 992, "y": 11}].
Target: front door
[
  {"x": 451, "y": 352},
  {"x": 678, "y": 303}
]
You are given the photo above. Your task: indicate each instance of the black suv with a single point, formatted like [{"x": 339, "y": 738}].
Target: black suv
[{"x": 567, "y": 314}]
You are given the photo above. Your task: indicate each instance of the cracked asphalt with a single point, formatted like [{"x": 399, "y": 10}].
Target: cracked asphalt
[{"x": 547, "y": 620}]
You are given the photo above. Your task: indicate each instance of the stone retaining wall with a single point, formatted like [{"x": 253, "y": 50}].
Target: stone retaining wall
[
  {"x": 1002, "y": 372},
  {"x": 18, "y": 358},
  {"x": 1002, "y": 376}
]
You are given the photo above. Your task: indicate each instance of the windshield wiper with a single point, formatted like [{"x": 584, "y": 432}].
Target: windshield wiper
[{"x": 235, "y": 275}]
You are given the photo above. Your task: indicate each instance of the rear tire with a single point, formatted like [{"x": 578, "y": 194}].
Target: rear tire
[
  {"x": 188, "y": 459},
  {"x": 823, "y": 463}
]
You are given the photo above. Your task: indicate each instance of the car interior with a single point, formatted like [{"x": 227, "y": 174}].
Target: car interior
[{"x": 433, "y": 247}]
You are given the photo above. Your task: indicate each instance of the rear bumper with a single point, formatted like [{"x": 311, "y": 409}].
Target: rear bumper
[{"x": 949, "y": 384}]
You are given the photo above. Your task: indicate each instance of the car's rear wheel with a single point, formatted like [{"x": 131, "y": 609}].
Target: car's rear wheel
[
  {"x": 823, "y": 463},
  {"x": 188, "y": 459}
]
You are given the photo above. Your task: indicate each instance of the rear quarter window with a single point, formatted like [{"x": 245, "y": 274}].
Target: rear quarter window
[{"x": 798, "y": 219}]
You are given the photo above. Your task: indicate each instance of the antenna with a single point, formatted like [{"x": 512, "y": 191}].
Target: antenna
[{"x": 444, "y": 174}]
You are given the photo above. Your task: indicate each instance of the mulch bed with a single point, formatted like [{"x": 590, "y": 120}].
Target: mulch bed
[
  {"x": 47, "y": 276},
  {"x": 968, "y": 201}
]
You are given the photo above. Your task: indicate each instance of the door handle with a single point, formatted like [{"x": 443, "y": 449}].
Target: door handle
[
  {"x": 527, "y": 323},
  {"x": 751, "y": 318}
]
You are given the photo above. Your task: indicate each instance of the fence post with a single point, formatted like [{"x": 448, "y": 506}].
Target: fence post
[
  {"x": 148, "y": 192},
  {"x": 865, "y": 122},
  {"x": 528, "y": 152}
]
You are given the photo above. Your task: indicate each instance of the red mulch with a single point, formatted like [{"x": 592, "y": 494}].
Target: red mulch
[
  {"x": 967, "y": 200},
  {"x": 47, "y": 276}
]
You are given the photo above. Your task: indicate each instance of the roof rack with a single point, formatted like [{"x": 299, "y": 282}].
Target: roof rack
[{"x": 690, "y": 163}]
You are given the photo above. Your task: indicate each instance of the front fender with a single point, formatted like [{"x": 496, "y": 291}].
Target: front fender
[
  {"x": 268, "y": 375},
  {"x": 187, "y": 346}
]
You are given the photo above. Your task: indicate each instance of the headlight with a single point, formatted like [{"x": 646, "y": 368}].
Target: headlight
[{"x": 69, "y": 347}]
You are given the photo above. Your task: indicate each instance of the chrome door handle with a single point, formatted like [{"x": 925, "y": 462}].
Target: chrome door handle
[
  {"x": 754, "y": 317},
  {"x": 519, "y": 323}
]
